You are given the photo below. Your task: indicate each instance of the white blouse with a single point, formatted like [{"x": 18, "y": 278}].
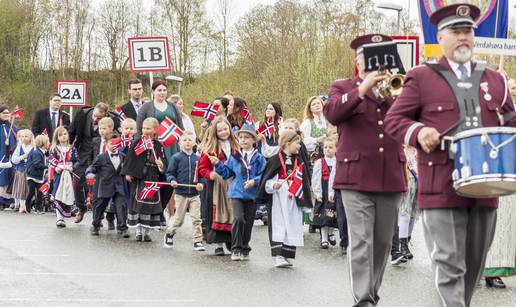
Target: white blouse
[{"x": 306, "y": 128}]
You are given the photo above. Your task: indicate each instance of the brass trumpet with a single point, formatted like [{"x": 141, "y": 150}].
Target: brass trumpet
[{"x": 390, "y": 88}]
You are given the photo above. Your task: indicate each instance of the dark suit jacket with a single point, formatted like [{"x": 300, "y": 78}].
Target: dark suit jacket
[
  {"x": 108, "y": 179},
  {"x": 42, "y": 121},
  {"x": 367, "y": 158},
  {"x": 78, "y": 127},
  {"x": 129, "y": 110},
  {"x": 428, "y": 101}
]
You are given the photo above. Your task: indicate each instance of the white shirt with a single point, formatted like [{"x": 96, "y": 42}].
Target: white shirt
[
  {"x": 136, "y": 105},
  {"x": 316, "y": 177},
  {"x": 114, "y": 160},
  {"x": 306, "y": 128},
  {"x": 455, "y": 67}
]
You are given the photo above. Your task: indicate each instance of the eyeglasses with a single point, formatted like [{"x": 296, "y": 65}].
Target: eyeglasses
[{"x": 6, "y": 112}]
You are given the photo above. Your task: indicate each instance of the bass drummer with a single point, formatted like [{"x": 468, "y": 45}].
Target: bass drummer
[{"x": 458, "y": 230}]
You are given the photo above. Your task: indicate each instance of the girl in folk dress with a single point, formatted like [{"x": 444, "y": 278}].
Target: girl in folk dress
[
  {"x": 62, "y": 185},
  {"x": 19, "y": 160},
  {"x": 7, "y": 146},
  {"x": 216, "y": 209},
  {"x": 286, "y": 210},
  {"x": 145, "y": 214}
]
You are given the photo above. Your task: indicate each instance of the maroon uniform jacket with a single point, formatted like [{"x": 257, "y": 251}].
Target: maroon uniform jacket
[
  {"x": 368, "y": 160},
  {"x": 428, "y": 100}
]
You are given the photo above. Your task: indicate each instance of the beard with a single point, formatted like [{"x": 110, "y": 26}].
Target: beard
[{"x": 462, "y": 54}]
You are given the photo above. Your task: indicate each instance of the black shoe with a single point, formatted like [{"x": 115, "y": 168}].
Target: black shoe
[
  {"x": 147, "y": 238},
  {"x": 311, "y": 229},
  {"x": 343, "y": 250},
  {"x": 123, "y": 233},
  {"x": 139, "y": 238},
  {"x": 168, "y": 240},
  {"x": 111, "y": 225},
  {"x": 265, "y": 220},
  {"x": 332, "y": 240},
  {"x": 219, "y": 251},
  {"x": 60, "y": 224},
  {"x": 324, "y": 245},
  {"x": 404, "y": 249},
  {"x": 397, "y": 258},
  {"x": 198, "y": 246},
  {"x": 495, "y": 282},
  {"x": 94, "y": 231}
]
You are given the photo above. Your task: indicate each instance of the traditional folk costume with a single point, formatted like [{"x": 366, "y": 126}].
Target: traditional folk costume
[
  {"x": 62, "y": 185},
  {"x": 5, "y": 161},
  {"x": 20, "y": 188},
  {"x": 145, "y": 213},
  {"x": 325, "y": 212},
  {"x": 285, "y": 212},
  {"x": 217, "y": 210}
]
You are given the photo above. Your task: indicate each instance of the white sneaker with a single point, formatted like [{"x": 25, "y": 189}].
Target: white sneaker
[{"x": 281, "y": 262}]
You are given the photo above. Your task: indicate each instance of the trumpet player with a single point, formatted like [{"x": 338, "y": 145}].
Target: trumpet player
[{"x": 370, "y": 172}]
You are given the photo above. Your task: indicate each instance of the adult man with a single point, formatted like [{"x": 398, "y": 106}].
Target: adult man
[
  {"x": 370, "y": 173},
  {"x": 458, "y": 230},
  {"x": 84, "y": 128},
  {"x": 50, "y": 118},
  {"x": 135, "y": 89}
]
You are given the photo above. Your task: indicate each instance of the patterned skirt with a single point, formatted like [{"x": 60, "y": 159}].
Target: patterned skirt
[{"x": 20, "y": 186}]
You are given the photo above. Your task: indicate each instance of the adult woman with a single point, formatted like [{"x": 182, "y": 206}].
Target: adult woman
[
  {"x": 235, "y": 108},
  {"x": 7, "y": 146},
  {"x": 268, "y": 145},
  {"x": 187, "y": 121},
  {"x": 313, "y": 125},
  {"x": 160, "y": 108}
]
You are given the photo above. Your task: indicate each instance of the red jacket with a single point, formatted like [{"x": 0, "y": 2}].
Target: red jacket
[
  {"x": 205, "y": 166},
  {"x": 428, "y": 100},
  {"x": 367, "y": 158}
]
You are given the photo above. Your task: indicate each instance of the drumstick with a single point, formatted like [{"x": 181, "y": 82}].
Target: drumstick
[{"x": 447, "y": 130}]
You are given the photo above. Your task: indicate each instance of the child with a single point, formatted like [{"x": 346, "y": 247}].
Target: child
[
  {"x": 181, "y": 170},
  {"x": 128, "y": 129},
  {"x": 19, "y": 160},
  {"x": 35, "y": 168},
  {"x": 245, "y": 167},
  {"x": 286, "y": 210},
  {"x": 145, "y": 214},
  {"x": 110, "y": 186},
  {"x": 62, "y": 186},
  {"x": 325, "y": 216},
  {"x": 220, "y": 142}
]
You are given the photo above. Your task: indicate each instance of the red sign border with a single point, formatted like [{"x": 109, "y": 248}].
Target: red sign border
[
  {"x": 410, "y": 37},
  {"x": 85, "y": 82},
  {"x": 132, "y": 69}
]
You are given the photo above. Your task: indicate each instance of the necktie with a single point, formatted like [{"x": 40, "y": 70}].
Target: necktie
[
  {"x": 245, "y": 158},
  {"x": 463, "y": 72},
  {"x": 137, "y": 106},
  {"x": 113, "y": 155},
  {"x": 54, "y": 120}
]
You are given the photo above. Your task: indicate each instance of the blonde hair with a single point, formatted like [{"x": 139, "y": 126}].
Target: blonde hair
[
  {"x": 57, "y": 133},
  {"x": 151, "y": 121},
  {"x": 128, "y": 121},
  {"x": 308, "y": 113},
  {"x": 41, "y": 141},
  {"x": 26, "y": 132},
  {"x": 187, "y": 133},
  {"x": 210, "y": 142},
  {"x": 330, "y": 140},
  {"x": 287, "y": 137},
  {"x": 103, "y": 107},
  {"x": 296, "y": 124},
  {"x": 107, "y": 121}
]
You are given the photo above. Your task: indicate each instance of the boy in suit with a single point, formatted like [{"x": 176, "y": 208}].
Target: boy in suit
[{"x": 109, "y": 185}]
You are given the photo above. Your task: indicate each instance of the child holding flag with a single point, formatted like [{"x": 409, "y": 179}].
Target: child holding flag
[
  {"x": 36, "y": 168},
  {"x": 145, "y": 161},
  {"x": 284, "y": 182},
  {"x": 19, "y": 160},
  {"x": 245, "y": 167},
  {"x": 66, "y": 161},
  {"x": 182, "y": 175}
]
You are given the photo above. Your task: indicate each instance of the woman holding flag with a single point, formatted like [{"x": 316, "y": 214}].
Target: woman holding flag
[
  {"x": 287, "y": 192},
  {"x": 7, "y": 146},
  {"x": 144, "y": 167}
]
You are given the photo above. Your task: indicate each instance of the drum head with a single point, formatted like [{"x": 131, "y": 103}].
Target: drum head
[{"x": 487, "y": 188}]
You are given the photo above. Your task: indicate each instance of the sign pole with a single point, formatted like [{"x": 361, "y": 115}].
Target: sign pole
[
  {"x": 151, "y": 79},
  {"x": 71, "y": 114}
]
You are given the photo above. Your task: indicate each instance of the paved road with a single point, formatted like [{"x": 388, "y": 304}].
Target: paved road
[{"x": 44, "y": 266}]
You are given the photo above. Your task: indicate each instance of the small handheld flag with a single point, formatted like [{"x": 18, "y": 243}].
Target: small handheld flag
[
  {"x": 45, "y": 187},
  {"x": 267, "y": 128},
  {"x": 17, "y": 113},
  {"x": 120, "y": 113},
  {"x": 144, "y": 144},
  {"x": 168, "y": 132},
  {"x": 205, "y": 110},
  {"x": 150, "y": 189}
]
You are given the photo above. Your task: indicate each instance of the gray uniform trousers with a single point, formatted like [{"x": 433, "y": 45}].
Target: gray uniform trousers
[
  {"x": 458, "y": 241},
  {"x": 372, "y": 218}
]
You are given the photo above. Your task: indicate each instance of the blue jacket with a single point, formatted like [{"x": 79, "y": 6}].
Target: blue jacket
[
  {"x": 181, "y": 168},
  {"x": 36, "y": 165},
  {"x": 233, "y": 168}
]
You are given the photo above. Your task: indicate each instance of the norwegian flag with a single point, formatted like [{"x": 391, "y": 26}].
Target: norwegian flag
[
  {"x": 116, "y": 143},
  {"x": 296, "y": 187},
  {"x": 18, "y": 113},
  {"x": 267, "y": 128},
  {"x": 45, "y": 132},
  {"x": 246, "y": 114},
  {"x": 126, "y": 140},
  {"x": 45, "y": 187},
  {"x": 196, "y": 172},
  {"x": 120, "y": 113},
  {"x": 150, "y": 189},
  {"x": 168, "y": 132},
  {"x": 52, "y": 161},
  {"x": 144, "y": 144},
  {"x": 205, "y": 110}
]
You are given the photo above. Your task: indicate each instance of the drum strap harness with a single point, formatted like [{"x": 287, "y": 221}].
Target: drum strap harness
[{"x": 466, "y": 93}]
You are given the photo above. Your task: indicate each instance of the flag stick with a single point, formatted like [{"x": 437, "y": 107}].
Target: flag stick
[{"x": 168, "y": 183}]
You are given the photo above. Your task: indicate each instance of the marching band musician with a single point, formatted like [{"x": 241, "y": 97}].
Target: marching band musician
[
  {"x": 458, "y": 230},
  {"x": 369, "y": 174}
]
